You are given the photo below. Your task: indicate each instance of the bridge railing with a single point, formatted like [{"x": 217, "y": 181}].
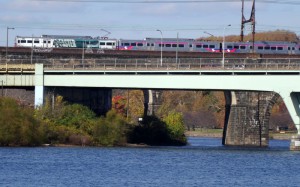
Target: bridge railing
[
  {"x": 155, "y": 64},
  {"x": 23, "y": 68}
]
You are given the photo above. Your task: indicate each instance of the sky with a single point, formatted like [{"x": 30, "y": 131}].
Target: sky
[{"x": 138, "y": 19}]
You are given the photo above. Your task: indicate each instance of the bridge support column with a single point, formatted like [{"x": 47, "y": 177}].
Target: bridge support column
[
  {"x": 152, "y": 101},
  {"x": 97, "y": 99},
  {"x": 39, "y": 85},
  {"x": 247, "y": 118}
]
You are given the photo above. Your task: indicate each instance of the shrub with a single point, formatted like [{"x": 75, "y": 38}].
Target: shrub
[
  {"x": 18, "y": 127},
  {"x": 175, "y": 127},
  {"x": 111, "y": 130}
]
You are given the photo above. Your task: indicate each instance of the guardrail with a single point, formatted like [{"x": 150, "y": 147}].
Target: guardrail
[
  {"x": 24, "y": 65},
  {"x": 171, "y": 64},
  {"x": 17, "y": 68}
]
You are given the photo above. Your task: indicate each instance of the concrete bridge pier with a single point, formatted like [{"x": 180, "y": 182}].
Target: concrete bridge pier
[
  {"x": 152, "y": 101},
  {"x": 247, "y": 118}
]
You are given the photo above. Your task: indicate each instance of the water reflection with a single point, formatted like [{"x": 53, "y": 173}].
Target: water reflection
[{"x": 216, "y": 143}]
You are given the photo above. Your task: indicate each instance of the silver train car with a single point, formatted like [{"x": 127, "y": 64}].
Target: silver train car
[{"x": 261, "y": 47}]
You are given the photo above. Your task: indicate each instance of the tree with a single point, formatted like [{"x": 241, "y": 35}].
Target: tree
[
  {"x": 277, "y": 35},
  {"x": 136, "y": 105},
  {"x": 111, "y": 130},
  {"x": 175, "y": 126},
  {"x": 66, "y": 123},
  {"x": 18, "y": 127},
  {"x": 119, "y": 103},
  {"x": 151, "y": 131}
]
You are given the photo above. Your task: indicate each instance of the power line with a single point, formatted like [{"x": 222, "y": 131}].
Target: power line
[{"x": 291, "y": 2}]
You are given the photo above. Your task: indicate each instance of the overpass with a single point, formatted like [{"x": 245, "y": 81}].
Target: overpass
[{"x": 265, "y": 80}]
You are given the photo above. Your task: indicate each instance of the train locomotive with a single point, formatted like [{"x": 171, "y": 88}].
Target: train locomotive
[{"x": 157, "y": 44}]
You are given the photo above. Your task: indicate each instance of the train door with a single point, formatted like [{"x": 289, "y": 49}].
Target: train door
[
  {"x": 191, "y": 47},
  {"x": 150, "y": 46},
  {"x": 221, "y": 47},
  {"x": 291, "y": 50}
]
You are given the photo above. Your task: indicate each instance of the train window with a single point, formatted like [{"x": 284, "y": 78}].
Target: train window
[
  {"x": 293, "y": 48},
  {"x": 236, "y": 47},
  {"x": 163, "y": 45},
  {"x": 229, "y": 46},
  {"x": 126, "y": 44},
  {"x": 273, "y": 48},
  {"x": 133, "y": 44},
  {"x": 148, "y": 44},
  {"x": 280, "y": 48},
  {"x": 260, "y": 47},
  {"x": 174, "y": 45},
  {"x": 242, "y": 47},
  {"x": 36, "y": 41},
  {"x": 168, "y": 45},
  {"x": 289, "y": 48},
  {"x": 198, "y": 46},
  {"x": 205, "y": 46},
  {"x": 152, "y": 44},
  {"x": 45, "y": 41},
  {"x": 140, "y": 44},
  {"x": 109, "y": 43},
  {"x": 23, "y": 41},
  {"x": 212, "y": 46},
  {"x": 267, "y": 47},
  {"x": 191, "y": 45},
  {"x": 19, "y": 41},
  {"x": 102, "y": 43},
  {"x": 251, "y": 47},
  {"x": 29, "y": 41},
  {"x": 181, "y": 45}
]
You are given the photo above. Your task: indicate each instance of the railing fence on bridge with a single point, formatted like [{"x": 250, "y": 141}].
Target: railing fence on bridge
[{"x": 152, "y": 64}]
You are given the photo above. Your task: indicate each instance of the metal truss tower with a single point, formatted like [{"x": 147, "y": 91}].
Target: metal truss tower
[{"x": 244, "y": 21}]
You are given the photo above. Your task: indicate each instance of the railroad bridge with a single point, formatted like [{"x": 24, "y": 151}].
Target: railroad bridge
[{"x": 251, "y": 86}]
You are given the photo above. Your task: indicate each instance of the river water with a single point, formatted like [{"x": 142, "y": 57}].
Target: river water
[{"x": 205, "y": 162}]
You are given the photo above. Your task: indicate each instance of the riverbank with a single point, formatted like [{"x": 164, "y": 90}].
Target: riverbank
[
  {"x": 218, "y": 133},
  {"x": 212, "y": 133}
]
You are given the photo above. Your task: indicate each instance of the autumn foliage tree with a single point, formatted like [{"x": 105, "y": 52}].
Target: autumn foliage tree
[
  {"x": 277, "y": 35},
  {"x": 119, "y": 104},
  {"x": 199, "y": 108}
]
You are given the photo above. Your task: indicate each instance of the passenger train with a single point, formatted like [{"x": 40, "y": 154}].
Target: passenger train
[{"x": 156, "y": 44}]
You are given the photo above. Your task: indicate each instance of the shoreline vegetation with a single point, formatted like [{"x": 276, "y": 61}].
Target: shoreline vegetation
[{"x": 65, "y": 124}]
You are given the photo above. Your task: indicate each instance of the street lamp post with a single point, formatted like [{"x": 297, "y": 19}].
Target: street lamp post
[
  {"x": 83, "y": 44},
  {"x": 7, "y": 39},
  {"x": 223, "y": 46},
  {"x": 160, "y": 46}
]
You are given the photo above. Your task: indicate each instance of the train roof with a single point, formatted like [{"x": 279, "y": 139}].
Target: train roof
[
  {"x": 57, "y": 37},
  {"x": 65, "y": 36},
  {"x": 172, "y": 39}
]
